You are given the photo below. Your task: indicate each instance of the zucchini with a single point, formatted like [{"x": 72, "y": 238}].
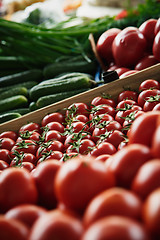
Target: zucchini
[
  {"x": 11, "y": 62},
  {"x": 50, "y": 99},
  {"x": 8, "y": 116},
  {"x": 29, "y": 75},
  {"x": 21, "y": 111},
  {"x": 13, "y": 102},
  {"x": 69, "y": 84},
  {"x": 27, "y": 85},
  {"x": 83, "y": 66},
  {"x": 13, "y": 92}
]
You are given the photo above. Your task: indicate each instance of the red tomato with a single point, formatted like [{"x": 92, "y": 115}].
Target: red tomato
[
  {"x": 27, "y": 165},
  {"x": 155, "y": 145},
  {"x": 126, "y": 162},
  {"x": 26, "y": 146},
  {"x": 79, "y": 180},
  {"x": 16, "y": 187},
  {"x": 115, "y": 138},
  {"x": 102, "y": 109},
  {"x": 102, "y": 157},
  {"x": 151, "y": 213},
  {"x": 147, "y": 178},
  {"x": 9, "y": 134},
  {"x": 51, "y": 155},
  {"x": 157, "y": 27},
  {"x": 52, "y": 117},
  {"x": 34, "y": 136},
  {"x": 44, "y": 176},
  {"x": 104, "y": 44},
  {"x": 14, "y": 230},
  {"x": 78, "y": 127},
  {"x": 128, "y": 47},
  {"x": 147, "y": 29},
  {"x": 121, "y": 70},
  {"x": 30, "y": 127},
  {"x": 76, "y": 109},
  {"x": 156, "y": 107},
  {"x": 127, "y": 95},
  {"x": 125, "y": 104},
  {"x": 3, "y": 165},
  {"x": 49, "y": 147},
  {"x": 25, "y": 213},
  {"x": 146, "y": 62},
  {"x": 7, "y": 143},
  {"x": 25, "y": 157},
  {"x": 156, "y": 45},
  {"x": 125, "y": 74},
  {"x": 81, "y": 118},
  {"x": 54, "y": 135},
  {"x": 75, "y": 137},
  {"x": 84, "y": 147},
  {"x": 56, "y": 126},
  {"x": 114, "y": 201},
  {"x": 149, "y": 84},
  {"x": 146, "y": 95},
  {"x": 115, "y": 228},
  {"x": 102, "y": 100},
  {"x": 151, "y": 103},
  {"x": 103, "y": 148},
  {"x": 99, "y": 119},
  {"x": 56, "y": 225},
  {"x": 5, "y": 155},
  {"x": 143, "y": 127}
]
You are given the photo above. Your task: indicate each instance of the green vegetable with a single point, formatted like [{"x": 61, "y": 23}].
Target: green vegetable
[
  {"x": 8, "y": 116},
  {"x": 21, "y": 111},
  {"x": 13, "y": 92},
  {"x": 11, "y": 63},
  {"x": 27, "y": 85},
  {"x": 13, "y": 102},
  {"x": 33, "y": 106}
]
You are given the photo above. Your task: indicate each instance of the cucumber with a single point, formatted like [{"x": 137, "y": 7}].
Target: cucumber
[
  {"x": 27, "y": 85},
  {"x": 33, "y": 106},
  {"x": 8, "y": 116},
  {"x": 83, "y": 66},
  {"x": 9, "y": 72},
  {"x": 21, "y": 111},
  {"x": 11, "y": 62},
  {"x": 50, "y": 99},
  {"x": 69, "y": 84},
  {"x": 13, "y": 92},
  {"x": 29, "y": 75},
  {"x": 13, "y": 102}
]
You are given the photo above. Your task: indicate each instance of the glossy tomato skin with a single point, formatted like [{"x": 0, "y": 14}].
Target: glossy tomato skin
[
  {"x": 149, "y": 84},
  {"x": 81, "y": 118},
  {"x": 121, "y": 70},
  {"x": 30, "y": 147},
  {"x": 34, "y": 136},
  {"x": 25, "y": 213},
  {"x": 155, "y": 146},
  {"x": 151, "y": 213},
  {"x": 157, "y": 27},
  {"x": 54, "y": 135},
  {"x": 101, "y": 100},
  {"x": 56, "y": 225},
  {"x": 79, "y": 180},
  {"x": 123, "y": 53},
  {"x": 7, "y": 143},
  {"x": 130, "y": 72},
  {"x": 56, "y": 126},
  {"x": 127, "y": 161},
  {"x": 146, "y": 62},
  {"x": 30, "y": 127},
  {"x": 27, "y": 165},
  {"x": 27, "y": 157},
  {"x": 9, "y": 134},
  {"x": 127, "y": 94},
  {"x": 102, "y": 109},
  {"x": 146, "y": 94},
  {"x": 14, "y": 229},
  {"x": 24, "y": 192},
  {"x": 3, "y": 165},
  {"x": 103, "y": 148},
  {"x": 156, "y": 45},
  {"x": 148, "y": 106},
  {"x": 52, "y": 117},
  {"x": 115, "y": 228},
  {"x": 114, "y": 201},
  {"x": 5, "y": 155},
  {"x": 77, "y": 108},
  {"x": 85, "y": 147},
  {"x": 104, "y": 44},
  {"x": 147, "y": 178}
]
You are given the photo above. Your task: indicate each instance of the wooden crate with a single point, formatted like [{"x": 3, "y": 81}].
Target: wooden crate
[{"x": 113, "y": 88}]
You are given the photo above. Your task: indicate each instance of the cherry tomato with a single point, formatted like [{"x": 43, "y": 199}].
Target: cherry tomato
[
  {"x": 147, "y": 95},
  {"x": 147, "y": 178},
  {"x": 81, "y": 118},
  {"x": 157, "y": 27},
  {"x": 56, "y": 126},
  {"x": 101, "y": 100},
  {"x": 54, "y": 135},
  {"x": 156, "y": 107},
  {"x": 127, "y": 95},
  {"x": 76, "y": 109},
  {"x": 27, "y": 165},
  {"x": 149, "y": 84},
  {"x": 5, "y": 155},
  {"x": 56, "y": 225},
  {"x": 34, "y": 136},
  {"x": 75, "y": 137},
  {"x": 146, "y": 62},
  {"x": 123, "y": 53},
  {"x": 114, "y": 228},
  {"x": 51, "y": 155},
  {"x": 113, "y": 201},
  {"x": 79, "y": 180},
  {"x": 102, "y": 109},
  {"x": 26, "y": 146},
  {"x": 102, "y": 157},
  {"x": 130, "y": 72},
  {"x": 21, "y": 158},
  {"x": 3, "y": 165},
  {"x": 115, "y": 138},
  {"x": 52, "y": 117},
  {"x": 30, "y": 127},
  {"x": 84, "y": 147},
  {"x": 14, "y": 229},
  {"x": 7, "y": 143},
  {"x": 104, "y": 44},
  {"x": 78, "y": 127},
  {"x": 49, "y": 147},
  {"x": 156, "y": 45},
  {"x": 125, "y": 104},
  {"x": 103, "y": 148},
  {"x": 44, "y": 176},
  {"x": 155, "y": 145},
  {"x": 9, "y": 134},
  {"x": 126, "y": 162},
  {"x": 151, "y": 103},
  {"x": 121, "y": 70},
  {"x": 16, "y": 187}
]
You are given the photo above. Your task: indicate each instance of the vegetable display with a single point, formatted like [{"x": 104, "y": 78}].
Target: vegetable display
[{"x": 81, "y": 174}]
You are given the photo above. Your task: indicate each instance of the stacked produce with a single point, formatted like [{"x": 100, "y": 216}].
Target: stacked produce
[{"x": 81, "y": 174}]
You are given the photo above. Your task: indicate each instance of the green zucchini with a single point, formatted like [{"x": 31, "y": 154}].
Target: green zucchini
[
  {"x": 27, "y": 85},
  {"x": 13, "y": 92},
  {"x": 50, "y": 99},
  {"x": 8, "y": 116},
  {"x": 11, "y": 62},
  {"x": 69, "y": 84},
  {"x": 13, "y": 102},
  {"x": 29, "y": 75},
  {"x": 21, "y": 111}
]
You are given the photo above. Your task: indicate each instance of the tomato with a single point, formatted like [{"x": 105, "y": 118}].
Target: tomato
[
  {"x": 50, "y": 155},
  {"x": 78, "y": 127},
  {"x": 102, "y": 100},
  {"x": 147, "y": 29},
  {"x": 99, "y": 119},
  {"x": 76, "y": 109},
  {"x": 146, "y": 62},
  {"x": 127, "y": 94},
  {"x": 52, "y": 117},
  {"x": 151, "y": 103},
  {"x": 130, "y": 72},
  {"x": 82, "y": 147},
  {"x": 115, "y": 228},
  {"x": 143, "y": 127},
  {"x": 14, "y": 230},
  {"x": 16, "y": 187},
  {"x": 157, "y": 27},
  {"x": 27, "y": 165},
  {"x": 149, "y": 84},
  {"x": 81, "y": 118},
  {"x": 156, "y": 45},
  {"x": 3, "y": 165},
  {"x": 147, "y": 95},
  {"x": 34, "y": 136},
  {"x": 79, "y": 180},
  {"x": 113, "y": 201},
  {"x": 9, "y": 134},
  {"x": 56, "y": 126},
  {"x": 128, "y": 47},
  {"x": 5, "y": 155},
  {"x": 125, "y": 104},
  {"x": 121, "y": 70},
  {"x": 104, "y": 44},
  {"x": 25, "y": 157},
  {"x": 155, "y": 145},
  {"x": 7, "y": 143},
  {"x": 25, "y": 213},
  {"x": 44, "y": 176},
  {"x": 54, "y": 135},
  {"x": 102, "y": 157},
  {"x": 147, "y": 178},
  {"x": 30, "y": 127},
  {"x": 103, "y": 148},
  {"x": 56, "y": 225},
  {"x": 102, "y": 109},
  {"x": 75, "y": 137},
  {"x": 156, "y": 107},
  {"x": 115, "y": 138},
  {"x": 26, "y": 146},
  {"x": 126, "y": 162},
  {"x": 151, "y": 213}
]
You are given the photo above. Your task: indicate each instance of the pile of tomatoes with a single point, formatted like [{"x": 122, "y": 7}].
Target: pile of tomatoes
[
  {"x": 92, "y": 173},
  {"x": 131, "y": 49}
]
